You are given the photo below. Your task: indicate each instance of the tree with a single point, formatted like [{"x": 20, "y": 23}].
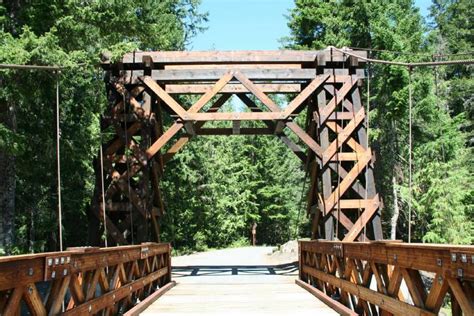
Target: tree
[
  {"x": 395, "y": 31},
  {"x": 72, "y": 35},
  {"x": 217, "y": 187}
]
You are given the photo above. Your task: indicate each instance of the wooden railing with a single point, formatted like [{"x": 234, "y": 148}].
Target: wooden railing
[
  {"x": 384, "y": 278},
  {"x": 83, "y": 280}
]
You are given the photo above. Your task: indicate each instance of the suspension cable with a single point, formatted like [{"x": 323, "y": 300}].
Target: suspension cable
[
  {"x": 411, "y": 53},
  {"x": 405, "y": 64},
  {"x": 410, "y": 162},
  {"x": 297, "y": 228},
  {"x": 103, "y": 188},
  {"x": 58, "y": 162},
  {"x": 338, "y": 161},
  {"x": 367, "y": 123},
  {"x": 126, "y": 148}
]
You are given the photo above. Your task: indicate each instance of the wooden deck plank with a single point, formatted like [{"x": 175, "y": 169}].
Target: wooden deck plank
[{"x": 222, "y": 293}]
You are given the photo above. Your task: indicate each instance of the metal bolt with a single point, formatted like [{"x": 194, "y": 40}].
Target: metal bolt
[
  {"x": 30, "y": 289},
  {"x": 440, "y": 279},
  {"x": 50, "y": 261},
  {"x": 395, "y": 257},
  {"x": 130, "y": 288},
  {"x": 90, "y": 308},
  {"x": 53, "y": 274},
  {"x": 464, "y": 258},
  {"x": 56, "y": 261},
  {"x": 460, "y": 273},
  {"x": 65, "y": 272},
  {"x": 453, "y": 257},
  {"x": 113, "y": 297},
  {"x": 30, "y": 271},
  {"x": 439, "y": 262},
  {"x": 63, "y": 260},
  {"x": 68, "y": 259}
]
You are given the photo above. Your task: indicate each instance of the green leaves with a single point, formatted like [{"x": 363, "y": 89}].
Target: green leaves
[
  {"x": 71, "y": 34},
  {"x": 217, "y": 187},
  {"x": 442, "y": 165}
]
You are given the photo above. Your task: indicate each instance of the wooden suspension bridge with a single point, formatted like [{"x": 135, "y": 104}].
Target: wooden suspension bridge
[{"x": 347, "y": 265}]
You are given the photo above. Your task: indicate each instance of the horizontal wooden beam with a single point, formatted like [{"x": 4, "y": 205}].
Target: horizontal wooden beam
[
  {"x": 230, "y": 131},
  {"x": 139, "y": 308},
  {"x": 335, "y": 305},
  {"x": 386, "y": 302},
  {"x": 214, "y": 74},
  {"x": 234, "y": 116},
  {"x": 254, "y": 56},
  {"x": 231, "y": 88},
  {"x": 233, "y": 66}
]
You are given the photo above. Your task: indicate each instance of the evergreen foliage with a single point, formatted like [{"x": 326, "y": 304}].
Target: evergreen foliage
[
  {"x": 442, "y": 161},
  {"x": 71, "y": 34}
]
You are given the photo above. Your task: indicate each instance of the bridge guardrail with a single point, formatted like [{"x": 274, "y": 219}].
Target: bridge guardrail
[
  {"x": 83, "y": 280},
  {"x": 384, "y": 278}
]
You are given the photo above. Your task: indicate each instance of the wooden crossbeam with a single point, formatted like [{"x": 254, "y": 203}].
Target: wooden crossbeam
[
  {"x": 336, "y": 100},
  {"x": 232, "y": 131},
  {"x": 167, "y": 99},
  {"x": 365, "y": 217},
  {"x": 331, "y": 201},
  {"x": 183, "y": 140},
  {"x": 343, "y": 136},
  {"x": 231, "y": 88},
  {"x": 158, "y": 144},
  {"x": 274, "y": 108},
  {"x": 285, "y": 139},
  {"x": 247, "y": 57},
  {"x": 306, "y": 93},
  {"x": 234, "y": 116}
]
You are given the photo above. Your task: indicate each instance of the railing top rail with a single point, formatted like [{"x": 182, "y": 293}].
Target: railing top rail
[
  {"x": 395, "y": 243},
  {"x": 82, "y": 250}
]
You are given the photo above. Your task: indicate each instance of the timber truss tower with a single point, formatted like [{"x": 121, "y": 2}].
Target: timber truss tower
[{"x": 150, "y": 124}]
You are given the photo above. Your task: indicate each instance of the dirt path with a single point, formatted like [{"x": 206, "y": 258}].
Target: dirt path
[{"x": 228, "y": 257}]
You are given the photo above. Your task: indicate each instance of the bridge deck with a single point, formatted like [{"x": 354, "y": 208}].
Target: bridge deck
[
  {"x": 240, "y": 281},
  {"x": 237, "y": 290}
]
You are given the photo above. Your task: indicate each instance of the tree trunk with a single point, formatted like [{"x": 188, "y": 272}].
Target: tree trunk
[
  {"x": 396, "y": 210},
  {"x": 7, "y": 183}
]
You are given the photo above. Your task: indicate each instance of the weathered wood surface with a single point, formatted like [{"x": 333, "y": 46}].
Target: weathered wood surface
[
  {"x": 83, "y": 280},
  {"x": 237, "y": 291},
  {"x": 144, "y": 93},
  {"x": 230, "y": 57},
  {"x": 384, "y": 278}
]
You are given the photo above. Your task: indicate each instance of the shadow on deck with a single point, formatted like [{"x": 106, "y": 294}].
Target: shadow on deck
[{"x": 287, "y": 269}]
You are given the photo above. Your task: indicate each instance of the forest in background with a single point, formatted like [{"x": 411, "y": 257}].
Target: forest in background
[{"x": 217, "y": 187}]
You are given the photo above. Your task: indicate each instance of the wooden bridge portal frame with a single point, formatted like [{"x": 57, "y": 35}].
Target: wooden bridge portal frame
[{"x": 151, "y": 125}]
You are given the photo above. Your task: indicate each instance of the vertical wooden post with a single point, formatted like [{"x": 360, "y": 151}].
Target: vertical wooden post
[
  {"x": 300, "y": 263},
  {"x": 170, "y": 269}
]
